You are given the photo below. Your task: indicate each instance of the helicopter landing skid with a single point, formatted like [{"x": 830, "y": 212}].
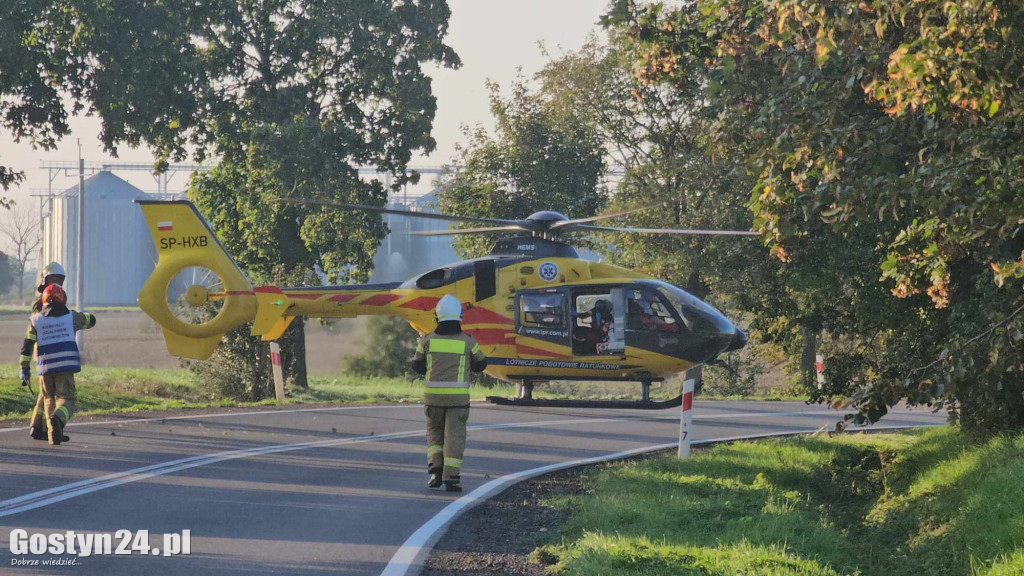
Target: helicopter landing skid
[{"x": 571, "y": 403}]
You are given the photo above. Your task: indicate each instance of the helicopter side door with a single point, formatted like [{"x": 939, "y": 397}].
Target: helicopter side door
[
  {"x": 599, "y": 321},
  {"x": 541, "y": 320}
]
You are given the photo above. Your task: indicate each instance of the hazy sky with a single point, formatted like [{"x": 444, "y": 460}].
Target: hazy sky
[{"x": 493, "y": 38}]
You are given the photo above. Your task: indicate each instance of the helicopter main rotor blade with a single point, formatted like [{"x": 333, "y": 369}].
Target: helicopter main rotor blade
[
  {"x": 619, "y": 214},
  {"x": 674, "y": 231},
  {"x": 378, "y": 210},
  {"x": 459, "y": 231}
]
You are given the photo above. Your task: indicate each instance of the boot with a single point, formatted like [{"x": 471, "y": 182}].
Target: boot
[
  {"x": 37, "y": 432},
  {"x": 56, "y": 431},
  {"x": 453, "y": 484},
  {"x": 435, "y": 480}
]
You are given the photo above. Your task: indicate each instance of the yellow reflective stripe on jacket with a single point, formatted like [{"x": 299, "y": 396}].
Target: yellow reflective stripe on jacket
[
  {"x": 446, "y": 346},
  {"x": 446, "y": 391}
]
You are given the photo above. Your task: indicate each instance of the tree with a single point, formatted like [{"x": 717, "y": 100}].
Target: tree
[
  {"x": 885, "y": 134},
  {"x": 295, "y": 97},
  {"x": 390, "y": 344},
  {"x": 290, "y": 96},
  {"x": 7, "y": 269},
  {"x": 542, "y": 157},
  {"x": 650, "y": 133},
  {"x": 132, "y": 64},
  {"x": 21, "y": 227}
]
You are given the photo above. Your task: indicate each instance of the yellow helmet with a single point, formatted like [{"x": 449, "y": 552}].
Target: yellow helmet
[{"x": 448, "y": 308}]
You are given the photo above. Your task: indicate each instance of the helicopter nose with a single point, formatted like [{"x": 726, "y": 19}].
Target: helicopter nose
[
  {"x": 711, "y": 333},
  {"x": 738, "y": 341}
]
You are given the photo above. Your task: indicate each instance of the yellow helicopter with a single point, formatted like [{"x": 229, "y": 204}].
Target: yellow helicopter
[{"x": 538, "y": 310}]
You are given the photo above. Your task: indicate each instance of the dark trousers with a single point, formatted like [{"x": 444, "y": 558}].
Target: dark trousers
[{"x": 446, "y": 439}]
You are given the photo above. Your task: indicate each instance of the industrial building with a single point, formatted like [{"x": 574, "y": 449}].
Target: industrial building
[
  {"x": 402, "y": 255},
  {"x": 119, "y": 254}
]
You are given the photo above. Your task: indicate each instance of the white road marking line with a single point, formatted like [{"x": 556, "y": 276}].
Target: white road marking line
[
  {"x": 65, "y": 492},
  {"x": 384, "y": 406},
  {"x": 412, "y": 552}
]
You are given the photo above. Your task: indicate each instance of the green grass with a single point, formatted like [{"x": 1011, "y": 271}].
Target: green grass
[
  {"x": 119, "y": 390},
  {"x": 111, "y": 390},
  {"x": 921, "y": 502}
]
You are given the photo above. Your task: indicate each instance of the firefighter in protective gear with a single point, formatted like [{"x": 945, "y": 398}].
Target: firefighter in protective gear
[
  {"x": 51, "y": 334},
  {"x": 445, "y": 358},
  {"x": 52, "y": 273}
]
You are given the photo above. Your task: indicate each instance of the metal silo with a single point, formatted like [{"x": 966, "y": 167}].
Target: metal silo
[{"x": 119, "y": 253}]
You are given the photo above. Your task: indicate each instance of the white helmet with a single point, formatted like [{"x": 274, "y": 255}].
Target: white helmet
[
  {"x": 51, "y": 269},
  {"x": 448, "y": 308}
]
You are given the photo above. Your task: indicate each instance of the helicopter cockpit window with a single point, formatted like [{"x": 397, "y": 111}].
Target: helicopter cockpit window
[
  {"x": 432, "y": 279},
  {"x": 649, "y": 311},
  {"x": 542, "y": 311}
]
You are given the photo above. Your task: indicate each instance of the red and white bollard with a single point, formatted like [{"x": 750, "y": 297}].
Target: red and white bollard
[
  {"x": 275, "y": 361},
  {"x": 686, "y": 420}
]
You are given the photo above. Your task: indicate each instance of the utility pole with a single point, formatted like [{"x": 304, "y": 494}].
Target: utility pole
[{"x": 80, "y": 252}]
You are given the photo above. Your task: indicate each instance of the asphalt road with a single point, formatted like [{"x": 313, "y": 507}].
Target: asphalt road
[{"x": 311, "y": 491}]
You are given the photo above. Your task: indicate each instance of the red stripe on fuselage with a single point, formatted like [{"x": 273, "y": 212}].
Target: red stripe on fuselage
[
  {"x": 491, "y": 336},
  {"x": 380, "y": 300},
  {"x": 343, "y": 297},
  {"x": 477, "y": 315},
  {"x": 421, "y": 303}
]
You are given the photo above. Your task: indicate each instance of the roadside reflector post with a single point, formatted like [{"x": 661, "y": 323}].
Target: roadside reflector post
[
  {"x": 275, "y": 360},
  {"x": 686, "y": 420}
]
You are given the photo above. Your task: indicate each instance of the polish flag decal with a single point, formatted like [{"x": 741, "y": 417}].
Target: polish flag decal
[{"x": 164, "y": 226}]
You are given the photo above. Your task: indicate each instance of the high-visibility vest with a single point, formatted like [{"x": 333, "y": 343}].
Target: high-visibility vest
[
  {"x": 449, "y": 359},
  {"x": 56, "y": 350}
]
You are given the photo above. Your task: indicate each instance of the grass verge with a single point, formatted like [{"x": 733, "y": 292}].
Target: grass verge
[
  {"x": 920, "y": 502},
  {"x": 119, "y": 390},
  {"x": 109, "y": 390}
]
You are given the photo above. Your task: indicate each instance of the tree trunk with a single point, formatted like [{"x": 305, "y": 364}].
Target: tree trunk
[
  {"x": 296, "y": 336},
  {"x": 808, "y": 358}
]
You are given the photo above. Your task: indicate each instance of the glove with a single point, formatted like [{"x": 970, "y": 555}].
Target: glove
[{"x": 26, "y": 375}]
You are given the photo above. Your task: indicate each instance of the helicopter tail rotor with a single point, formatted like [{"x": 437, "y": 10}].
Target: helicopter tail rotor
[{"x": 196, "y": 293}]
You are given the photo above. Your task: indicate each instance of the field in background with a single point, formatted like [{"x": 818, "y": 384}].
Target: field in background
[
  {"x": 921, "y": 502},
  {"x": 127, "y": 338}
]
